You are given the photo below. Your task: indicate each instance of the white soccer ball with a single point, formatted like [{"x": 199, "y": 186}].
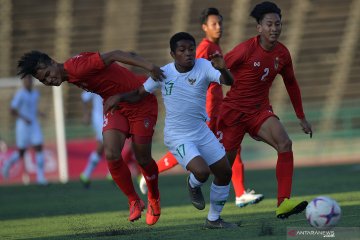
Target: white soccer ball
[{"x": 323, "y": 212}]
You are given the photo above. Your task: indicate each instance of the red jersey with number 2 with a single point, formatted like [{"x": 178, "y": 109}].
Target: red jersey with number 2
[{"x": 254, "y": 70}]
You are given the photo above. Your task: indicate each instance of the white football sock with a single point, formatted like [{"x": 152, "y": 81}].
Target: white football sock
[
  {"x": 92, "y": 163},
  {"x": 40, "y": 172},
  {"x": 194, "y": 182},
  {"x": 15, "y": 156},
  {"x": 218, "y": 198}
]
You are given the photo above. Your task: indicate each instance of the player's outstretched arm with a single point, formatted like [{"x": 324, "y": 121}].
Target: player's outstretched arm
[
  {"x": 135, "y": 60},
  {"x": 134, "y": 96},
  {"x": 218, "y": 62}
]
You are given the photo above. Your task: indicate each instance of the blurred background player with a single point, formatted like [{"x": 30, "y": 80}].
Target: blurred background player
[
  {"x": 93, "y": 112},
  {"x": 99, "y": 73},
  {"x": 24, "y": 106},
  {"x": 246, "y": 107},
  {"x": 211, "y": 23}
]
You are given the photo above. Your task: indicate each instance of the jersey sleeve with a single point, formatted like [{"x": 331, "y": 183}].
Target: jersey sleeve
[
  {"x": 235, "y": 57},
  {"x": 86, "y": 96},
  {"x": 84, "y": 63},
  {"x": 212, "y": 74},
  {"x": 150, "y": 85},
  {"x": 292, "y": 88},
  {"x": 202, "y": 51},
  {"x": 16, "y": 101}
]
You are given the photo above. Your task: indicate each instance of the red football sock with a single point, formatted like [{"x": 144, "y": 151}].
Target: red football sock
[
  {"x": 284, "y": 173},
  {"x": 151, "y": 173},
  {"x": 166, "y": 162},
  {"x": 238, "y": 175},
  {"x": 122, "y": 177}
]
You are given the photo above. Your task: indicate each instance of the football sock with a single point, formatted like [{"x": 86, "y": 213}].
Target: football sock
[
  {"x": 218, "y": 198},
  {"x": 40, "y": 166},
  {"x": 166, "y": 162},
  {"x": 238, "y": 176},
  {"x": 284, "y": 173},
  {"x": 93, "y": 160},
  {"x": 151, "y": 174},
  {"x": 13, "y": 158},
  {"x": 194, "y": 182},
  {"x": 122, "y": 177}
]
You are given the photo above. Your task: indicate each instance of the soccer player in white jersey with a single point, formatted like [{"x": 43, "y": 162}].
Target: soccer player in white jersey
[
  {"x": 186, "y": 134},
  {"x": 24, "y": 106}
]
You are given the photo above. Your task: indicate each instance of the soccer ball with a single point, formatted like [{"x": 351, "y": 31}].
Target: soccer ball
[{"x": 323, "y": 212}]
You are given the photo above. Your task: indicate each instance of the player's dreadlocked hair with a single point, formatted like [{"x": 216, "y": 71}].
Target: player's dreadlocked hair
[
  {"x": 263, "y": 8},
  {"x": 30, "y": 62},
  {"x": 178, "y": 37},
  {"x": 207, "y": 12}
]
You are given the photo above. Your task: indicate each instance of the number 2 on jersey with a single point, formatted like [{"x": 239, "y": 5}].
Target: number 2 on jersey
[{"x": 266, "y": 73}]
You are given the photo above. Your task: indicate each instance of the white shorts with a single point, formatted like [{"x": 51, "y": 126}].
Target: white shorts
[
  {"x": 97, "y": 123},
  {"x": 28, "y": 134},
  {"x": 208, "y": 147}
]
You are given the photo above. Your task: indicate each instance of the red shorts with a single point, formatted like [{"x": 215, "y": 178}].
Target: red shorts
[
  {"x": 137, "y": 120},
  {"x": 233, "y": 125}
]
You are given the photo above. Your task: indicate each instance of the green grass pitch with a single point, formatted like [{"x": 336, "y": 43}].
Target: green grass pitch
[{"x": 68, "y": 211}]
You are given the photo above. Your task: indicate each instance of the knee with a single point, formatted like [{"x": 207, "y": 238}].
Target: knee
[
  {"x": 38, "y": 148},
  {"x": 112, "y": 155},
  {"x": 143, "y": 159},
  {"x": 202, "y": 175},
  {"x": 226, "y": 175},
  {"x": 223, "y": 178},
  {"x": 285, "y": 146},
  {"x": 22, "y": 152}
]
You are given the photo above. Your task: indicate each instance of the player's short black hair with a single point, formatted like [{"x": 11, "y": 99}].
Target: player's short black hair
[
  {"x": 263, "y": 8},
  {"x": 32, "y": 61},
  {"x": 207, "y": 12},
  {"x": 178, "y": 37}
]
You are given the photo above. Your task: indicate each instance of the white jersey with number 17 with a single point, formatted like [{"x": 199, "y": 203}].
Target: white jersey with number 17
[{"x": 184, "y": 97}]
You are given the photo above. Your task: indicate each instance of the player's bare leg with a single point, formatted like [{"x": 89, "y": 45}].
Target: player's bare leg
[
  {"x": 199, "y": 173},
  {"x": 113, "y": 144},
  {"x": 273, "y": 133},
  {"x": 219, "y": 193}
]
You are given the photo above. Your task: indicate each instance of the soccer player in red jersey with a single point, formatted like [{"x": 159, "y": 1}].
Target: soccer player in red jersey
[
  {"x": 246, "y": 107},
  {"x": 99, "y": 73},
  {"x": 211, "y": 23}
]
